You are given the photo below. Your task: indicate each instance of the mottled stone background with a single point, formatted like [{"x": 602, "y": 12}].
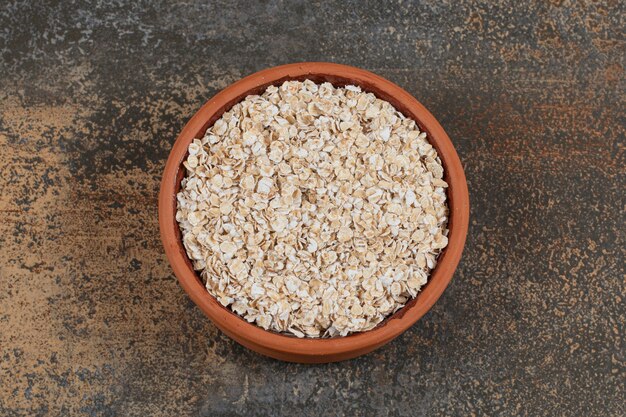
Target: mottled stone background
[{"x": 92, "y": 96}]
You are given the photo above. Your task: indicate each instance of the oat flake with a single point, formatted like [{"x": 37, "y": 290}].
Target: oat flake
[{"x": 313, "y": 210}]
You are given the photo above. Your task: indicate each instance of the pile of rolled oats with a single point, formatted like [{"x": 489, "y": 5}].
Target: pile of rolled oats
[{"x": 313, "y": 210}]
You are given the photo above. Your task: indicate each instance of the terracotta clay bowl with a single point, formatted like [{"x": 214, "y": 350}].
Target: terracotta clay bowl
[{"x": 286, "y": 347}]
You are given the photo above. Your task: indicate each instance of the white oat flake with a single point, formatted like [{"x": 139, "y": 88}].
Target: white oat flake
[{"x": 313, "y": 210}]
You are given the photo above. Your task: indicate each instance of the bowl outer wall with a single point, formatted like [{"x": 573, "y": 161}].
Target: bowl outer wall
[{"x": 309, "y": 350}]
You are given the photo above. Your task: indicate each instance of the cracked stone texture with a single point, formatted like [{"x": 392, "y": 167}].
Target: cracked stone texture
[{"x": 92, "y": 96}]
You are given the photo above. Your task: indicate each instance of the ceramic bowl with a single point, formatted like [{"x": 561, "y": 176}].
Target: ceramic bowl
[{"x": 286, "y": 347}]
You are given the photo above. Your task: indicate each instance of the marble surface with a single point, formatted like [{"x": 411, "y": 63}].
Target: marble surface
[{"x": 92, "y": 96}]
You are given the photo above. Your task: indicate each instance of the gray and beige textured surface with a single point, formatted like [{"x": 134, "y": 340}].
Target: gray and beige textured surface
[{"x": 92, "y": 96}]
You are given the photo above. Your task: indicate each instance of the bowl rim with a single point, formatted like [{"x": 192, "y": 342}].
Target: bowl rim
[{"x": 285, "y": 346}]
